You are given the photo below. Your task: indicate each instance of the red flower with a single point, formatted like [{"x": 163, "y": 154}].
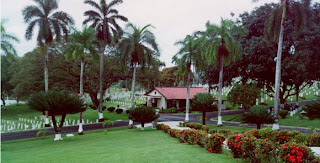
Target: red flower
[{"x": 293, "y": 151}]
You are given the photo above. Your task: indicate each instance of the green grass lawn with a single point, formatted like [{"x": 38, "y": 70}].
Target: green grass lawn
[
  {"x": 117, "y": 145},
  {"x": 13, "y": 112},
  {"x": 288, "y": 121}
]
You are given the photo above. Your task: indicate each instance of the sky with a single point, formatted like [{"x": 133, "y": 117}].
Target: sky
[{"x": 172, "y": 19}]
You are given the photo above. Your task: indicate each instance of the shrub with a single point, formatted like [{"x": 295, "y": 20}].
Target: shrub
[
  {"x": 244, "y": 95},
  {"x": 254, "y": 132},
  {"x": 183, "y": 136},
  {"x": 268, "y": 133},
  {"x": 160, "y": 126},
  {"x": 143, "y": 114},
  {"x": 213, "y": 131},
  {"x": 104, "y": 108},
  {"x": 285, "y": 136},
  {"x": 265, "y": 151},
  {"x": 313, "y": 140},
  {"x": 127, "y": 111},
  {"x": 192, "y": 137},
  {"x": 203, "y": 102},
  {"x": 108, "y": 99},
  {"x": 234, "y": 144},
  {"x": 197, "y": 126},
  {"x": 248, "y": 145},
  {"x": 169, "y": 110},
  {"x": 119, "y": 111},
  {"x": 41, "y": 133},
  {"x": 283, "y": 113},
  {"x": 258, "y": 115},
  {"x": 292, "y": 152},
  {"x": 173, "y": 132},
  {"x": 166, "y": 128},
  {"x": 202, "y": 138},
  {"x": 214, "y": 143},
  {"x": 111, "y": 109},
  {"x": 182, "y": 124},
  {"x": 312, "y": 110},
  {"x": 225, "y": 132},
  {"x": 205, "y": 128}
]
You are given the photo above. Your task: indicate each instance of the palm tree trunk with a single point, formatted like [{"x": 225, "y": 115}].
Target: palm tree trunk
[
  {"x": 100, "y": 86},
  {"x": 278, "y": 69},
  {"x": 188, "y": 97},
  {"x": 46, "y": 80},
  {"x": 133, "y": 90},
  {"x": 220, "y": 91},
  {"x": 80, "y": 130}
]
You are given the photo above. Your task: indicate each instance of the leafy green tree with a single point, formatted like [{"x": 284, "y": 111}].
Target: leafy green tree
[
  {"x": 104, "y": 20},
  {"x": 138, "y": 47},
  {"x": 80, "y": 44},
  {"x": 7, "y": 70},
  {"x": 203, "y": 102},
  {"x": 189, "y": 54},
  {"x": 51, "y": 24},
  {"x": 258, "y": 115},
  {"x": 143, "y": 114},
  {"x": 276, "y": 22},
  {"x": 57, "y": 103},
  {"x": 244, "y": 95},
  {"x": 222, "y": 46},
  {"x": 7, "y": 39}
]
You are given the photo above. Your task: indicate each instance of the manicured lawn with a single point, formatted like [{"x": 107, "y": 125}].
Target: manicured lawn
[
  {"x": 288, "y": 121},
  {"x": 119, "y": 145},
  {"x": 13, "y": 112}
]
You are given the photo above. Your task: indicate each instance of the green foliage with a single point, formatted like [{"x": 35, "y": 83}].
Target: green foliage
[
  {"x": 119, "y": 111},
  {"x": 41, "y": 133},
  {"x": 143, "y": 114},
  {"x": 313, "y": 110},
  {"x": 111, "y": 109},
  {"x": 244, "y": 94},
  {"x": 203, "y": 102},
  {"x": 258, "y": 115},
  {"x": 7, "y": 48},
  {"x": 283, "y": 113},
  {"x": 56, "y": 102},
  {"x": 108, "y": 122}
]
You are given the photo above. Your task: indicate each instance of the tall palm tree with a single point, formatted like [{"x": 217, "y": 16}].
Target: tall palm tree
[
  {"x": 189, "y": 54},
  {"x": 6, "y": 42},
  {"x": 221, "y": 47},
  {"x": 79, "y": 45},
  {"x": 138, "y": 47},
  {"x": 51, "y": 24},
  {"x": 104, "y": 20},
  {"x": 275, "y": 23}
]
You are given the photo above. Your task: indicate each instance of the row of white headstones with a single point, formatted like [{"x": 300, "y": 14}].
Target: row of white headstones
[
  {"x": 313, "y": 90},
  {"x": 36, "y": 123}
]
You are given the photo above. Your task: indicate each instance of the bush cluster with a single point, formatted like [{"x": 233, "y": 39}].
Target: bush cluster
[
  {"x": 267, "y": 145},
  {"x": 111, "y": 109},
  {"x": 283, "y": 113},
  {"x": 212, "y": 143},
  {"x": 312, "y": 110}
]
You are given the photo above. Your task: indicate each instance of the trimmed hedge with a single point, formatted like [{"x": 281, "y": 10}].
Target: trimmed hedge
[
  {"x": 119, "y": 111},
  {"x": 111, "y": 109}
]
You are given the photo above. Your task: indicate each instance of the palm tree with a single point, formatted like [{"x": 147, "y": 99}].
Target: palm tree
[
  {"x": 222, "y": 47},
  {"x": 189, "y": 54},
  {"x": 51, "y": 24},
  {"x": 81, "y": 43},
  {"x": 6, "y": 42},
  {"x": 138, "y": 47},
  {"x": 275, "y": 23},
  {"x": 104, "y": 20}
]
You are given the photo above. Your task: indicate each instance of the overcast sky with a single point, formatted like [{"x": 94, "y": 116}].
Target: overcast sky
[{"x": 172, "y": 19}]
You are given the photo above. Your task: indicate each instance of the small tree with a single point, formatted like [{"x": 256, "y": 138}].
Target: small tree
[
  {"x": 57, "y": 103},
  {"x": 244, "y": 94},
  {"x": 203, "y": 102},
  {"x": 258, "y": 115},
  {"x": 143, "y": 114},
  {"x": 313, "y": 110}
]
